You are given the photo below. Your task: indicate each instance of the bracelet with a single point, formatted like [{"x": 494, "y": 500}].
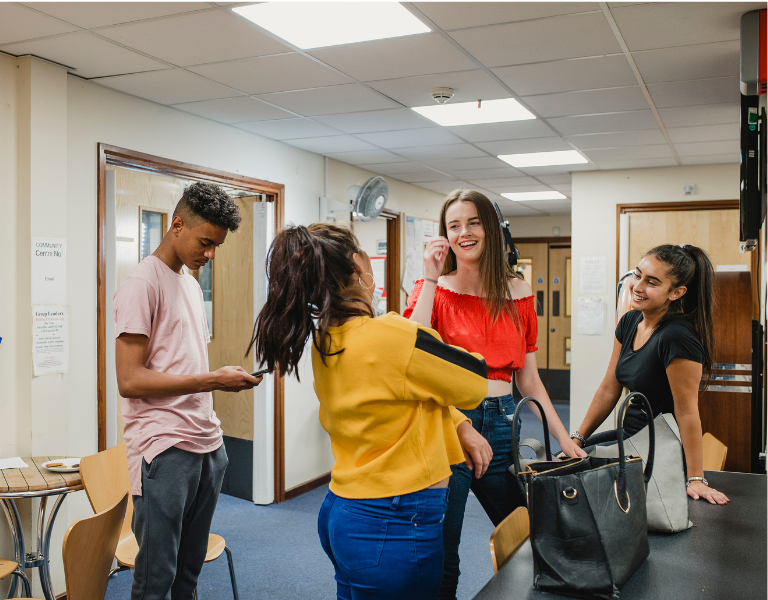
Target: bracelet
[
  {"x": 432, "y": 280},
  {"x": 688, "y": 481},
  {"x": 577, "y": 436}
]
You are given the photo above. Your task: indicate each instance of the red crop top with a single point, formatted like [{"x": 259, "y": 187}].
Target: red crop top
[{"x": 463, "y": 320}]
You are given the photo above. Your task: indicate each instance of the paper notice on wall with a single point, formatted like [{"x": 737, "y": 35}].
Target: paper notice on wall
[
  {"x": 592, "y": 274},
  {"x": 378, "y": 270},
  {"x": 49, "y": 270},
  {"x": 590, "y": 319},
  {"x": 50, "y": 339}
]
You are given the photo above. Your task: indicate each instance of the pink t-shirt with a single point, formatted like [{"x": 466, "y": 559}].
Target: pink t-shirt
[{"x": 168, "y": 308}]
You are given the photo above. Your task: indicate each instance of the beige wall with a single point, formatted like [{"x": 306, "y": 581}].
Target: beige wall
[
  {"x": 595, "y": 196},
  {"x": 539, "y": 226}
]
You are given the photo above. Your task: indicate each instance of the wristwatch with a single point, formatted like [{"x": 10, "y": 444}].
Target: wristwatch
[
  {"x": 688, "y": 481},
  {"x": 577, "y": 436}
]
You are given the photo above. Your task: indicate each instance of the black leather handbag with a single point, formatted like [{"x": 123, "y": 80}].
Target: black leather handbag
[{"x": 588, "y": 518}]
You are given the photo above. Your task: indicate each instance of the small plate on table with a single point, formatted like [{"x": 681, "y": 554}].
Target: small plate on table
[{"x": 63, "y": 465}]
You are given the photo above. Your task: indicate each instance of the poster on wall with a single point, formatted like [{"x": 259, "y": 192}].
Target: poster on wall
[
  {"x": 50, "y": 339},
  {"x": 49, "y": 270},
  {"x": 417, "y": 233},
  {"x": 590, "y": 319},
  {"x": 592, "y": 274}
]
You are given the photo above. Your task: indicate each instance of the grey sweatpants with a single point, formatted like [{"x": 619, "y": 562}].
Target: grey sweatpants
[{"x": 172, "y": 519}]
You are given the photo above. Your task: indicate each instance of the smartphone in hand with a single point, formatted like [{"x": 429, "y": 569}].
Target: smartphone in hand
[{"x": 260, "y": 373}]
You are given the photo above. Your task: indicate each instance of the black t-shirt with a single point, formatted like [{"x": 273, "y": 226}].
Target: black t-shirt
[{"x": 645, "y": 370}]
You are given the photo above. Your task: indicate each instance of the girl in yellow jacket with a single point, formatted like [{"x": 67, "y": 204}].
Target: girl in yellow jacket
[{"x": 387, "y": 389}]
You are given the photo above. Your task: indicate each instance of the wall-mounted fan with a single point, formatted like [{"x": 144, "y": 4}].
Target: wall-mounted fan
[{"x": 368, "y": 201}]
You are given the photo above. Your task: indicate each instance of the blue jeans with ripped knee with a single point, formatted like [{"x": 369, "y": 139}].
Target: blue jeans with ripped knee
[{"x": 385, "y": 548}]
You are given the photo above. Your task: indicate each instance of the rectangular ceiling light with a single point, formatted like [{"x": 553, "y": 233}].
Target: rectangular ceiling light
[
  {"x": 544, "y": 159},
  {"x": 469, "y": 113},
  {"x": 319, "y": 24},
  {"x": 522, "y": 196}
]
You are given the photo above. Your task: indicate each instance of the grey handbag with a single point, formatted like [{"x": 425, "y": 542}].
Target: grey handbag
[{"x": 666, "y": 496}]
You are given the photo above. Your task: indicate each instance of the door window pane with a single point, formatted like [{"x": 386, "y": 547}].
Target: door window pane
[{"x": 151, "y": 232}]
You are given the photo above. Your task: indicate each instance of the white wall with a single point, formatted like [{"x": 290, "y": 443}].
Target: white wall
[
  {"x": 539, "y": 226},
  {"x": 595, "y": 196}
]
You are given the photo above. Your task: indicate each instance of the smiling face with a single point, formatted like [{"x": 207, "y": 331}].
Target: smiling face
[
  {"x": 465, "y": 231},
  {"x": 651, "y": 288}
]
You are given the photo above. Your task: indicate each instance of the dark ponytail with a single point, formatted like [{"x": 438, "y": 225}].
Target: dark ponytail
[
  {"x": 690, "y": 266},
  {"x": 309, "y": 270}
]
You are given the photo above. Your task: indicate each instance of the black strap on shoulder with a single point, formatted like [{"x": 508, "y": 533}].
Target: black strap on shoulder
[{"x": 431, "y": 345}]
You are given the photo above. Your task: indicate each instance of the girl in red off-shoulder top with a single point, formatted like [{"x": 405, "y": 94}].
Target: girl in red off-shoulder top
[{"x": 472, "y": 297}]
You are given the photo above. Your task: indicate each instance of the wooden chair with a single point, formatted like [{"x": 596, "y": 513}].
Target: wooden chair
[
  {"x": 508, "y": 536},
  {"x": 714, "y": 453},
  {"x": 10, "y": 568},
  {"x": 105, "y": 477}
]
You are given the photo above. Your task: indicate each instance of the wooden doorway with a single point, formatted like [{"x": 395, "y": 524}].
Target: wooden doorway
[
  {"x": 545, "y": 264},
  {"x": 148, "y": 164},
  {"x": 380, "y": 239}
]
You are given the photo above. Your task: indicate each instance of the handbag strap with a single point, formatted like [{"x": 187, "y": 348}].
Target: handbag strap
[
  {"x": 636, "y": 397},
  {"x": 515, "y": 426}
]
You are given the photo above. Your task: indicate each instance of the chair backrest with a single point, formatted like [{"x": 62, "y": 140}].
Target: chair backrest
[
  {"x": 714, "y": 453},
  {"x": 105, "y": 478},
  {"x": 89, "y": 547},
  {"x": 508, "y": 536}
]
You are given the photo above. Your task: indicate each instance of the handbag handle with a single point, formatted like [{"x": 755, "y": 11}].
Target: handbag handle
[
  {"x": 515, "y": 426},
  {"x": 651, "y": 439}
]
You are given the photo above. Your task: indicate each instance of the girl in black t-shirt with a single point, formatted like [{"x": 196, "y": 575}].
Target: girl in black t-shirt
[{"x": 661, "y": 349}]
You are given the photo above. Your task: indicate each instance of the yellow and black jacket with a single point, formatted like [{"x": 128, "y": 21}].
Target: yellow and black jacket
[{"x": 387, "y": 400}]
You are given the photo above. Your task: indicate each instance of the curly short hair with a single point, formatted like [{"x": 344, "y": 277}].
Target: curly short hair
[{"x": 208, "y": 202}]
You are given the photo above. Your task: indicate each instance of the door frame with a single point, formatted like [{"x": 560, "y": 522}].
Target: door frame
[
  {"x": 686, "y": 205},
  {"x": 394, "y": 226},
  {"x": 122, "y": 157}
]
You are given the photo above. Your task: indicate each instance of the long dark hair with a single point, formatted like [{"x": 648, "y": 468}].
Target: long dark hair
[
  {"x": 494, "y": 267},
  {"x": 310, "y": 270},
  {"x": 690, "y": 266}
]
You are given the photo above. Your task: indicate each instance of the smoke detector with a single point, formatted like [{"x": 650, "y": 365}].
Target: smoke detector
[{"x": 441, "y": 95}]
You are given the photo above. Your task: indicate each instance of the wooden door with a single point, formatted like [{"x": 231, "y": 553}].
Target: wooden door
[
  {"x": 558, "y": 368},
  {"x": 538, "y": 255}
]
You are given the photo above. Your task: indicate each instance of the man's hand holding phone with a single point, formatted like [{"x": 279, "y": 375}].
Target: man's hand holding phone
[{"x": 236, "y": 379}]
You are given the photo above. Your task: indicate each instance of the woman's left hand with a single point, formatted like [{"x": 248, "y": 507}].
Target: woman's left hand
[
  {"x": 697, "y": 490},
  {"x": 571, "y": 449}
]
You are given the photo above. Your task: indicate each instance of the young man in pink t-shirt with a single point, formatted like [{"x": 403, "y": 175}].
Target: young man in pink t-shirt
[{"x": 176, "y": 457}]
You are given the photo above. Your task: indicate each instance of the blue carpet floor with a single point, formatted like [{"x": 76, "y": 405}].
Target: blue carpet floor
[{"x": 277, "y": 554}]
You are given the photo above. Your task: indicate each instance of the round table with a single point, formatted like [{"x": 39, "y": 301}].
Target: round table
[{"x": 35, "y": 482}]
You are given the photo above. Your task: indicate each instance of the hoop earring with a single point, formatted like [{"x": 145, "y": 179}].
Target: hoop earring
[{"x": 367, "y": 287}]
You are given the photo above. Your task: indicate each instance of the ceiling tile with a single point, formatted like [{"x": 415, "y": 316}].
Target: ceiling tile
[
  {"x": 620, "y": 121},
  {"x": 563, "y": 188},
  {"x": 234, "y": 110},
  {"x": 459, "y": 15},
  {"x": 662, "y": 25},
  {"x": 556, "y": 179},
  {"x": 590, "y": 102},
  {"x": 421, "y": 54},
  {"x": 513, "y": 130},
  {"x": 537, "y": 171},
  {"x": 701, "y": 115},
  {"x": 396, "y": 168},
  {"x": 196, "y": 38},
  {"x": 20, "y": 23},
  {"x": 410, "y": 137},
  {"x": 715, "y": 159},
  {"x": 267, "y": 74},
  {"x": 286, "y": 129},
  {"x": 705, "y": 133},
  {"x": 468, "y": 86},
  {"x": 436, "y": 152},
  {"x": 99, "y": 14},
  {"x": 327, "y": 145},
  {"x": 568, "y": 75},
  {"x": 631, "y": 153},
  {"x": 626, "y": 138},
  {"x": 376, "y": 120},
  {"x": 442, "y": 187},
  {"x": 422, "y": 177},
  {"x": 486, "y": 173},
  {"x": 539, "y": 41},
  {"x": 551, "y": 207},
  {"x": 366, "y": 158},
  {"x": 87, "y": 55},
  {"x": 702, "y": 61},
  {"x": 510, "y": 184},
  {"x": 330, "y": 100},
  {"x": 705, "y": 148},
  {"x": 173, "y": 86},
  {"x": 516, "y": 209},
  {"x": 637, "y": 163},
  {"x": 452, "y": 164},
  {"x": 689, "y": 93},
  {"x": 550, "y": 144}
]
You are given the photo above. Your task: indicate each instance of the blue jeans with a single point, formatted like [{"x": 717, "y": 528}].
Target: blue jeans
[
  {"x": 385, "y": 548},
  {"x": 497, "y": 490}
]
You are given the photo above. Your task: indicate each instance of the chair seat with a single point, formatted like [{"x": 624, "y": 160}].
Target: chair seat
[
  {"x": 8, "y": 566},
  {"x": 128, "y": 548}
]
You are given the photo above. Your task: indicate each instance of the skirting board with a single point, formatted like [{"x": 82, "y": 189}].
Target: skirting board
[{"x": 308, "y": 486}]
